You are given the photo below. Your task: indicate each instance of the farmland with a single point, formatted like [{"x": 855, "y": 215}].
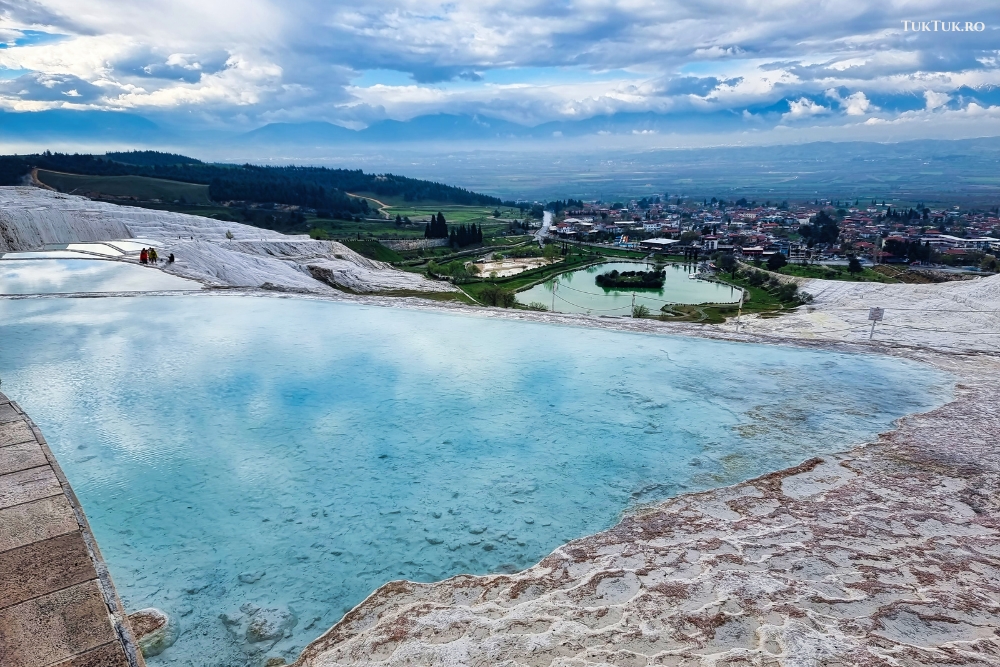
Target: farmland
[{"x": 137, "y": 188}]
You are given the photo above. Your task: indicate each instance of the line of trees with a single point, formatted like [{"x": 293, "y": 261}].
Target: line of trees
[
  {"x": 458, "y": 237},
  {"x": 250, "y": 177},
  {"x": 463, "y": 236},
  {"x": 437, "y": 228},
  {"x": 913, "y": 251},
  {"x": 824, "y": 229}
]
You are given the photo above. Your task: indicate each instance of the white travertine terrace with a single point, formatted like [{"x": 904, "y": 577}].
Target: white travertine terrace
[
  {"x": 952, "y": 316},
  {"x": 885, "y": 555},
  {"x": 32, "y": 217}
]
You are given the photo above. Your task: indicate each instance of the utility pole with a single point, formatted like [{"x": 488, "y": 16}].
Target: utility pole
[
  {"x": 739, "y": 312},
  {"x": 555, "y": 285},
  {"x": 633, "y": 304}
]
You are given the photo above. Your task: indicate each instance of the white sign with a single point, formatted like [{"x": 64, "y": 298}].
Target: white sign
[{"x": 876, "y": 314}]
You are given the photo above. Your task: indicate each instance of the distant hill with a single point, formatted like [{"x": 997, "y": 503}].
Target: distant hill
[
  {"x": 319, "y": 188},
  {"x": 296, "y": 133},
  {"x": 83, "y": 125},
  {"x": 150, "y": 158},
  {"x": 436, "y": 127}
]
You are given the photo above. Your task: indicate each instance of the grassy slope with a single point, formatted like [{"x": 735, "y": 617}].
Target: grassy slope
[
  {"x": 141, "y": 188},
  {"x": 373, "y": 250},
  {"x": 831, "y": 273}
]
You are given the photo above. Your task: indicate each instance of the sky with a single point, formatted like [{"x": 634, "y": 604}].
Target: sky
[{"x": 851, "y": 68}]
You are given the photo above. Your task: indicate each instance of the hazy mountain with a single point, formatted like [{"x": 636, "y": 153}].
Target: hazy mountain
[
  {"x": 77, "y": 125},
  {"x": 442, "y": 127},
  {"x": 300, "y": 133}
]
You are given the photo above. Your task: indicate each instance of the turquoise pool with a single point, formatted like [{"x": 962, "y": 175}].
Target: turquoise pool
[
  {"x": 57, "y": 272},
  {"x": 288, "y": 455},
  {"x": 578, "y": 292}
]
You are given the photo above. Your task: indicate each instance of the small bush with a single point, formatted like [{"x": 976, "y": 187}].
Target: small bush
[
  {"x": 498, "y": 297},
  {"x": 640, "y": 311}
]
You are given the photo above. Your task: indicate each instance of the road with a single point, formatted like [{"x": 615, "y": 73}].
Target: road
[{"x": 543, "y": 230}]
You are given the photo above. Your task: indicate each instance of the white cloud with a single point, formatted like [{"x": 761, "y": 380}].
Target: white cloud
[
  {"x": 804, "y": 108},
  {"x": 857, "y": 104},
  {"x": 935, "y": 99},
  {"x": 255, "y": 60}
]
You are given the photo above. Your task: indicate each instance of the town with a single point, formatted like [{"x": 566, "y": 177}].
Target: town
[{"x": 824, "y": 230}]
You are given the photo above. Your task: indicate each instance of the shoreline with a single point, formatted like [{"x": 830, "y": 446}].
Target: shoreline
[
  {"x": 406, "y": 610},
  {"x": 623, "y": 324},
  {"x": 653, "y": 586}
]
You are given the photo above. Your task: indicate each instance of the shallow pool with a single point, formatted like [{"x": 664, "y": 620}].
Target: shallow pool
[
  {"x": 578, "y": 292},
  {"x": 63, "y": 276},
  {"x": 245, "y": 453}
]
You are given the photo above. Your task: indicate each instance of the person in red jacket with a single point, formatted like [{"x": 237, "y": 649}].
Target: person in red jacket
[{"x": 143, "y": 256}]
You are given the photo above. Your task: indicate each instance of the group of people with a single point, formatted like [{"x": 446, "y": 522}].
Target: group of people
[{"x": 150, "y": 256}]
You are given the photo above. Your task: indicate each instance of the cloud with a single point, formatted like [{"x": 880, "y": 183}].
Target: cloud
[
  {"x": 935, "y": 100},
  {"x": 804, "y": 108},
  {"x": 50, "y": 88},
  {"x": 253, "y": 61}
]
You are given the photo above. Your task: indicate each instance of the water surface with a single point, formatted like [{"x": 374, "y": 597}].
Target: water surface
[
  {"x": 236, "y": 453},
  {"x": 577, "y": 291},
  {"x": 62, "y": 276}
]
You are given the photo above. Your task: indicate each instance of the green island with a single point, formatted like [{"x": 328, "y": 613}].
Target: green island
[{"x": 639, "y": 279}]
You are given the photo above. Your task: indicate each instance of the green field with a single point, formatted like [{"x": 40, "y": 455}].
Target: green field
[
  {"x": 374, "y": 250},
  {"x": 834, "y": 273},
  {"x": 139, "y": 188}
]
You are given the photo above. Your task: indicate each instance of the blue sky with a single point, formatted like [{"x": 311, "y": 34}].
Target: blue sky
[{"x": 844, "y": 67}]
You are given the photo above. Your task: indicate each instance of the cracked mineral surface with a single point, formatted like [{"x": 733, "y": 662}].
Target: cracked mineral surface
[{"x": 888, "y": 554}]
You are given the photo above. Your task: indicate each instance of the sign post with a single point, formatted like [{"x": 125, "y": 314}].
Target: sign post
[{"x": 875, "y": 315}]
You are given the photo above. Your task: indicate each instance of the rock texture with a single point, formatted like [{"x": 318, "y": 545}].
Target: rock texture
[
  {"x": 30, "y": 218},
  {"x": 961, "y": 315},
  {"x": 153, "y": 630},
  {"x": 885, "y": 555}
]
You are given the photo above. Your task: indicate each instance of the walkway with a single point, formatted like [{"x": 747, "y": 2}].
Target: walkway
[{"x": 58, "y": 606}]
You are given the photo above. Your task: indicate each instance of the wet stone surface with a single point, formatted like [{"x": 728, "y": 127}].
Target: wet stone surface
[
  {"x": 886, "y": 555},
  {"x": 53, "y": 605}
]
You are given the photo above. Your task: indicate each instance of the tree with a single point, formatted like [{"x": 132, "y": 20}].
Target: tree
[
  {"x": 853, "y": 265},
  {"x": 728, "y": 263},
  {"x": 776, "y": 261},
  {"x": 399, "y": 220},
  {"x": 494, "y": 295},
  {"x": 640, "y": 311}
]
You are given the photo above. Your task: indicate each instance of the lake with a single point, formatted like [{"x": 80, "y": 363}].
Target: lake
[
  {"x": 577, "y": 291},
  {"x": 240, "y": 456}
]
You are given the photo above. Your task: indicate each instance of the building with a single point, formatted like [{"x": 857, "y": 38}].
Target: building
[{"x": 658, "y": 244}]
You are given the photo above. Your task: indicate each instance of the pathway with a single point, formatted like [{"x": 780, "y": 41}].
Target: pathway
[{"x": 58, "y": 605}]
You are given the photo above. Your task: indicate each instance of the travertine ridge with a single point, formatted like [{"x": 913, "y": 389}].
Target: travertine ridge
[
  {"x": 31, "y": 218},
  {"x": 886, "y": 555}
]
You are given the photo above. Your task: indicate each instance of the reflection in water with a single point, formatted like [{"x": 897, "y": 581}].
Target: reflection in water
[
  {"x": 62, "y": 276},
  {"x": 235, "y": 453},
  {"x": 577, "y": 291}
]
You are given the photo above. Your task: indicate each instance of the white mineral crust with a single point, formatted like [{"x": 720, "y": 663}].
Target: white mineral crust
[{"x": 32, "y": 217}]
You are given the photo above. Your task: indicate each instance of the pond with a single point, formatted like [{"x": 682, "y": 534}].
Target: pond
[
  {"x": 59, "y": 275},
  {"x": 577, "y": 291},
  {"x": 239, "y": 456}
]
